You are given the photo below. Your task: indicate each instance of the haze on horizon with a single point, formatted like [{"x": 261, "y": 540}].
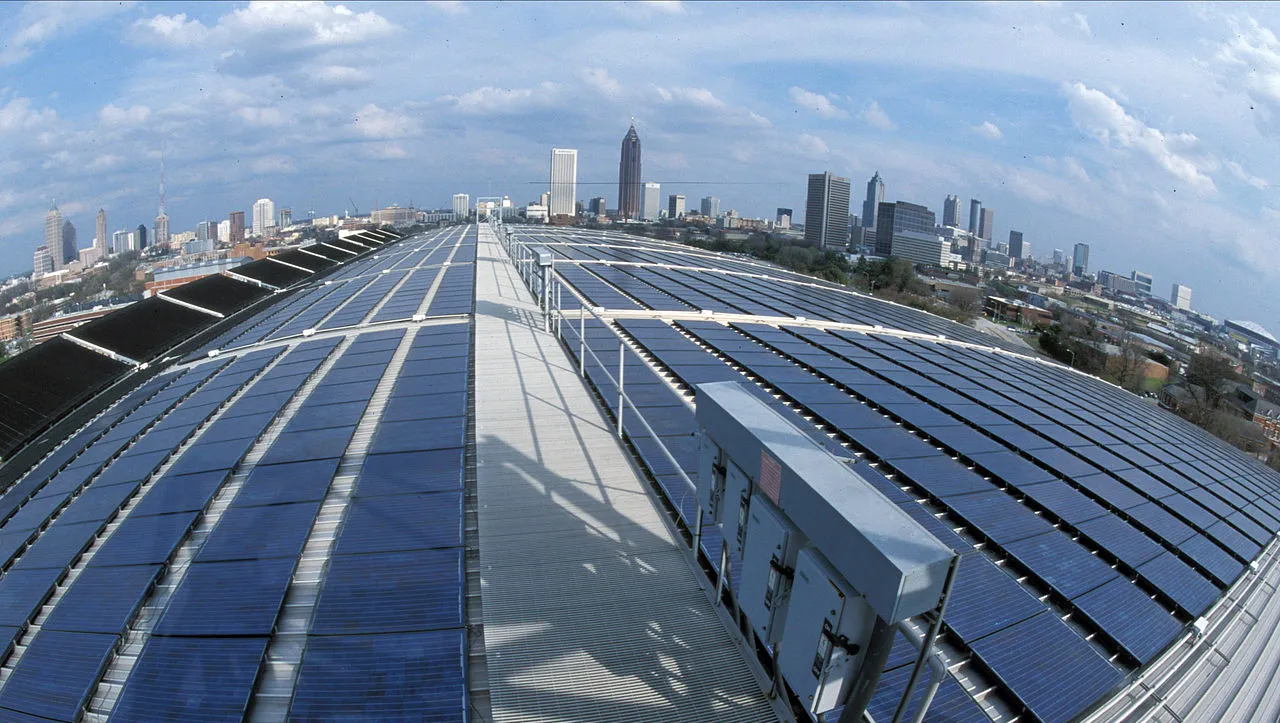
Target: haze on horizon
[{"x": 1147, "y": 131}]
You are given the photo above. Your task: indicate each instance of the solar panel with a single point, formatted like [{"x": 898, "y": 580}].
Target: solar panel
[
  {"x": 950, "y": 703},
  {"x": 228, "y": 598},
  {"x": 1064, "y": 501},
  {"x": 22, "y": 592},
  {"x": 425, "y": 471},
  {"x": 96, "y": 503},
  {"x": 180, "y": 493},
  {"x": 144, "y": 540},
  {"x": 1121, "y": 539},
  {"x": 191, "y": 679},
  {"x": 419, "y": 435},
  {"x": 1067, "y": 566},
  {"x": 941, "y": 476},
  {"x": 290, "y": 482},
  {"x": 1131, "y": 617},
  {"x": 254, "y": 533},
  {"x": 397, "y": 677},
  {"x": 402, "y": 522},
  {"x": 58, "y": 546},
  {"x": 998, "y": 516},
  {"x": 1017, "y": 656},
  {"x": 56, "y": 674},
  {"x": 391, "y": 592},
  {"x": 985, "y": 599},
  {"x": 103, "y": 599},
  {"x": 1191, "y": 591}
]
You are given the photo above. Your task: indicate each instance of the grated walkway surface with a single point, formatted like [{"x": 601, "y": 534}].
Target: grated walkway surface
[{"x": 591, "y": 610}]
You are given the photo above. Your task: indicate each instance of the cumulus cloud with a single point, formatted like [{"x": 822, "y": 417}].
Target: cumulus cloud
[
  {"x": 449, "y": 7},
  {"x": 812, "y": 145},
  {"x": 489, "y": 100},
  {"x": 172, "y": 30},
  {"x": 599, "y": 79},
  {"x": 817, "y": 103},
  {"x": 989, "y": 130},
  {"x": 874, "y": 116},
  {"x": 1180, "y": 155},
  {"x": 18, "y": 115},
  {"x": 1250, "y": 63},
  {"x": 697, "y": 97},
  {"x": 375, "y": 122}
]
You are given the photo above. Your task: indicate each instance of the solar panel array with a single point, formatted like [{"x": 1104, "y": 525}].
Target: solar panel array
[
  {"x": 1095, "y": 527},
  {"x": 155, "y": 547}
]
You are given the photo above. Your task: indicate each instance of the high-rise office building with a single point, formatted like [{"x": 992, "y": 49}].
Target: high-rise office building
[
  {"x": 70, "y": 252},
  {"x": 42, "y": 263},
  {"x": 461, "y": 206},
  {"x": 597, "y": 206},
  {"x": 100, "y": 240},
  {"x": 629, "y": 185},
  {"x": 162, "y": 228},
  {"x": 711, "y": 206},
  {"x": 236, "y": 235},
  {"x": 951, "y": 211},
  {"x": 651, "y": 202},
  {"x": 675, "y": 205},
  {"x": 1015, "y": 245},
  {"x": 140, "y": 236},
  {"x": 897, "y": 219},
  {"x": 975, "y": 213},
  {"x": 987, "y": 224},
  {"x": 264, "y": 217},
  {"x": 1059, "y": 257},
  {"x": 1141, "y": 282},
  {"x": 224, "y": 230},
  {"x": 871, "y": 205},
  {"x": 207, "y": 231},
  {"x": 120, "y": 241},
  {"x": 826, "y": 212},
  {"x": 783, "y": 219},
  {"x": 564, "y": 182},
  {"x": 53, "y": 235},
  {"x": 1180, "y": 297},
  {"x": 286, "y": 217},
  {"x": 1080, "y": 260}
]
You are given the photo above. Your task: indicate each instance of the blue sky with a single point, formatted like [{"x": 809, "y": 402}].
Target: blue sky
[{"x": 1148, "y": 131}]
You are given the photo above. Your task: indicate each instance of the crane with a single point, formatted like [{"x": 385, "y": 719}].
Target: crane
[{"x": 353, "y": 205}]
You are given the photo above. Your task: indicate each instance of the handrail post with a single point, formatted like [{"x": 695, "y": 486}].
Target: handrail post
[
  {"x": 926, "y": 649},
  {"x": 582, "y": 340},
  {"x": 622, "y": 359}
]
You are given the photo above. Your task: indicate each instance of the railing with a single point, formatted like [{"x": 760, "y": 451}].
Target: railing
[{"x": 548, "y": 286}]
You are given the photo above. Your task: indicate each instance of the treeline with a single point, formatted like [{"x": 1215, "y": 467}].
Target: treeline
[{"x": 829, "y": 265}]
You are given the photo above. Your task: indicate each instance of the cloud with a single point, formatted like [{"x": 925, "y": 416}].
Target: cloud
[
  {"x": 599, "y": 79},
  {"x": 989, "y": 130},
  {"x": 449, "y": 7},
  {"x": 18, "y": 115},
  {"x": 1178, "y": 154},
  {"x": 1250, "y": 63},
  {"x": 874, "y": 116},
  {"x": 112, "y": 115},
  {"x": 696, "y": 97},
  {"x": 1241, "y": 174},
  {"x": 338, "y": 76},
  {"x": 648, "y": 9},
  {"x": 1081, "y": 23},
  {"x": 817, "y": 103},
  {"x": 41, "y": 22},
  {"x": 172, "y": 30},
  {"x": 374, "y": 122},
  {"x": 812, "y": 145},
  {"x": 489, "y": 100},
  {"x": 264, "y": 117},
  {"x": 272, "y": 164}
]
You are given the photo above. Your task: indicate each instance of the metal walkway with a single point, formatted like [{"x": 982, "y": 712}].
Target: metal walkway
[{"x": 592, "y": 611}]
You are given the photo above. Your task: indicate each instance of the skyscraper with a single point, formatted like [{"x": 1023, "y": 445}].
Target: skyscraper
[
  {"x": 871, "y": 206},
  {"x": 1080, "y": 260},
  {"x": 675, "y": 205},
  {"x": 710, "y": 206},
  {"x": 70, "y": 252},
  {"x": 236, "y": 233},
  {"x": 783, "y": 219},
  {"x": 564, "y": 182},
  {"x": 140, "y": 234},
  {"x": 826, "y": 212},
  {"x": 1180, "y": 297},
  {"x": 1015, "y": 245},
  {"x": 1141, "y": 282},
  {"x": 987, "y": 223},
  {"x": 896, "y": 219},
  {"x": 629, "y": 185},
  {"x": 597, "y": 206},
  {"x": 264, "y": 216},
  {"x": 286, "y": 217},
  {"x": 975, "y": 211},
  {"x": 951, "y": 211},
  {"x": 53, "y": 235},
  {"x": 651, "y": 203},
  {"x": 162, "y": 228},
  {"x": 42, "y": 263},
  {"x": 100, "y": 241},
  {"x": 461, "y": 206}
]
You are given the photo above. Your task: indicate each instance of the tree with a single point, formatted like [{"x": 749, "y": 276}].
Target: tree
[
  {"x": 1207, "y": 375},
  {"x": 966, "y": 300}
]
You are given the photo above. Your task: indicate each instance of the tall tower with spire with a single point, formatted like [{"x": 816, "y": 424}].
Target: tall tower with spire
[
  {"x": 629, "y": 184},
  {"x": 53, "y": 234},
  {"x": 162, "y": 218}
]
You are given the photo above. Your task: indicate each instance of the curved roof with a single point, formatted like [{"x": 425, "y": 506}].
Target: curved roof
[
  {"x": 1253, "y": 328},
  {"x": 307, "y": 496}
]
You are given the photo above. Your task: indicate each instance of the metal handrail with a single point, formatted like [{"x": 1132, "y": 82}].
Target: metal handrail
[{"x": 522, "y": 258}]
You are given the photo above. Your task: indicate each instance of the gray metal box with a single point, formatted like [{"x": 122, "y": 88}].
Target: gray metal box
[
  {"x": 543, "y": 256},
  {"x": 822, "y": 608},
  {"x": 768, "y": 557},
  {"x": 734, "y": 506},
  {"x": 710, "y": 485}
]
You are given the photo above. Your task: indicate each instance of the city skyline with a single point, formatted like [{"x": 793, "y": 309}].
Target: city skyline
[{"x": 306, "y": 104}]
